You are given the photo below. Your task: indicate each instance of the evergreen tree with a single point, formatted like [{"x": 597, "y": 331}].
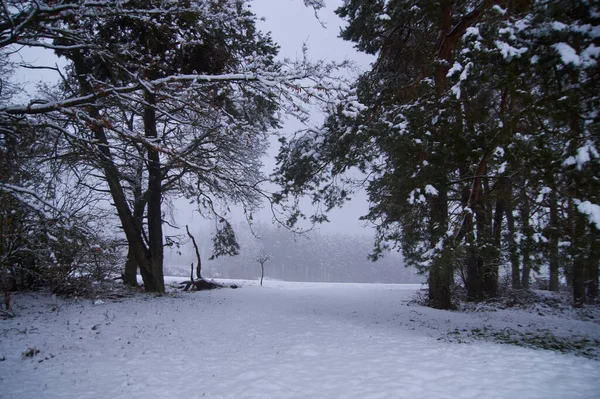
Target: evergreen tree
[{"x": 476, "y": 147}]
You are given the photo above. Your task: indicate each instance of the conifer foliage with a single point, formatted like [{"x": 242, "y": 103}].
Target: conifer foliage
[{"x": 477, "y": 129}]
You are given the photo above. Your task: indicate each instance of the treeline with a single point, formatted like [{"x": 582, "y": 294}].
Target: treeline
[
  {"x": 314, "y": 256},
  {"x": 478, "y": 128}
]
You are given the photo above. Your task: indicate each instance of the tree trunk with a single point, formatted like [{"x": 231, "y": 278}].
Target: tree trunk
[
  {"x": 134, "y": 237},
  {"x": 491, "y": 277},
  {"x": 441, "y": 273},
  {"x": 526, "y": 241},
  {"x": 474, "y": 259},
  {"x": 262, "y": 272},
  {"x": 154, "y": 281},
  {"x": 199, "y": 265},
  {"x": 139, "y": 204},
  {"x": 579, "y": 253},
  {"x": 131, "y": 267},
  {"x": 474, "y": 292},
  {"x": 554, "y": 239},
  {"x": 593, "y": 263},
  {"x": 513, "y": 249},
  {"x": 579, "y": 263},
  {"x": 441, "y": 279}
]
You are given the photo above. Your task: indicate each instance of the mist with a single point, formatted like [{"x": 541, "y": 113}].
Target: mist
[{"x": 315, "y": 256}]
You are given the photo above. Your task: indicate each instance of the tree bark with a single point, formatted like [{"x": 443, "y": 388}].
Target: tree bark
[
  {"x": 262, "y": 272},
  {"x": 441, "y": 279},
  {"x": 111, "y": 173},
  {"x": 199, "y": 265},
  {"x": 139, "y": 204},
  {"x": 154, "y": 281},
  {"x": 474, "y": 292},
  {"x": 131, "y": 267},
  {"x": 526, "y": 241},
  {"x": 579, "y": 260},
  {"x": 593, "y": 264},
  {"x": 441, "y": 273},
  {"x": 491, "y": 280},
  {"x": 554, "y": 239},
  {"x": 473, "y": 278},
  {"x": 513, "y": 249}
]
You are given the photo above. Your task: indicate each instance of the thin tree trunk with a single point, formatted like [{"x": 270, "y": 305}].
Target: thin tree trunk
[
  {"x": 593, "y": 264},
  {"x": 473, "y": 268},
  {"x": 472, "y": 263},
  {"x": 526, "y": 241},
  {"x": 491, "y": 281},
  {"x": 554, "y": 239},
  {"x": 262, "y": 272},
  {"x": 513, "y": 249},
  {"x": 579, "y": 261},
  {"x": 199, "y": 265},
  {"x": 568, "y": 268}
]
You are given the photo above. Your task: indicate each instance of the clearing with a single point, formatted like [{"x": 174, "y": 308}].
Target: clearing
[{"x": 292, "y": 340}]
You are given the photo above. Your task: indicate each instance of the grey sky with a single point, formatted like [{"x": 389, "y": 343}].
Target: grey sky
[{"x": 292, "y": 25}]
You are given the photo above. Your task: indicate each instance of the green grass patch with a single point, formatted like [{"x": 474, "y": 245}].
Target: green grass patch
[{"x": 543, "y": 339}]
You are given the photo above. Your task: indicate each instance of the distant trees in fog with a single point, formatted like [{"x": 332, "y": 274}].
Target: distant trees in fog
[{"x": 316, "y": 256}]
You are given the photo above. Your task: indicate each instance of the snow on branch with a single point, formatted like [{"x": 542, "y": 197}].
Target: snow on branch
[
  {"x": 30, "y": 199},
  {"x": 308, "y": 81},
  {"x": 592, "y": 211}
]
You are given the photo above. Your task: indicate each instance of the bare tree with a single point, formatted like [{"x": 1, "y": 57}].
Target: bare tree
[
  {"x": 263, "y": 257},
  {"x": 163, "y": 96}
]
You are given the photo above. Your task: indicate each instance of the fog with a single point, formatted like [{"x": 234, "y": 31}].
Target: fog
[
  {"x": 333, "y": 252},
  {"x": 292, "y": 26}
]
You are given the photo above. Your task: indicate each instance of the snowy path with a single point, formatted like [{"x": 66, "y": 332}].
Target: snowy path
[{"x": 281, "y": 341}]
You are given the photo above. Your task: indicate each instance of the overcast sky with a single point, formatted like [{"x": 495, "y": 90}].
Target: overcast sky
[{"x": 291, "y": 25}]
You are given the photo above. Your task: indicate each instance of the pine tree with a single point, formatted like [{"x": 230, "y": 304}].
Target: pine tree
[{"x": 476, "y": 147}]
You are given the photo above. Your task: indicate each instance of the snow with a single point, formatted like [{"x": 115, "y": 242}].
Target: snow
[
  {"x": 415, "y": 197},
  {"x": 465, "y": 72},
  {"x": 508, "y": 51},
  {"x": 499, "y": 9},
  {"x": 284, "y": 340},
  {"x": 584, "y": 154},
  {"x": 455, "y": 68},
  {"x": 429, "y": 189},
  {"x": 559, "y": 26},
  {"x": 567, "y": 54},
  {"x": 589, "y": 55},
  {"x": 592, "y": 211},
  {"x": 473, "y": 31},
  {"x": 502, "y": 167}
]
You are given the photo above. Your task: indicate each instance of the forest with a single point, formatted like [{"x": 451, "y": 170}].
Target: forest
[
  {"x": 169, "y": 191},
  {"x": 477, "y": 129},
  {"x": 474, "y": 133}
]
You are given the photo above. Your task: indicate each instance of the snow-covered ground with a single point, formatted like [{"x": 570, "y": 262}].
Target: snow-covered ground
[{"x": 284, "y": 340}]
